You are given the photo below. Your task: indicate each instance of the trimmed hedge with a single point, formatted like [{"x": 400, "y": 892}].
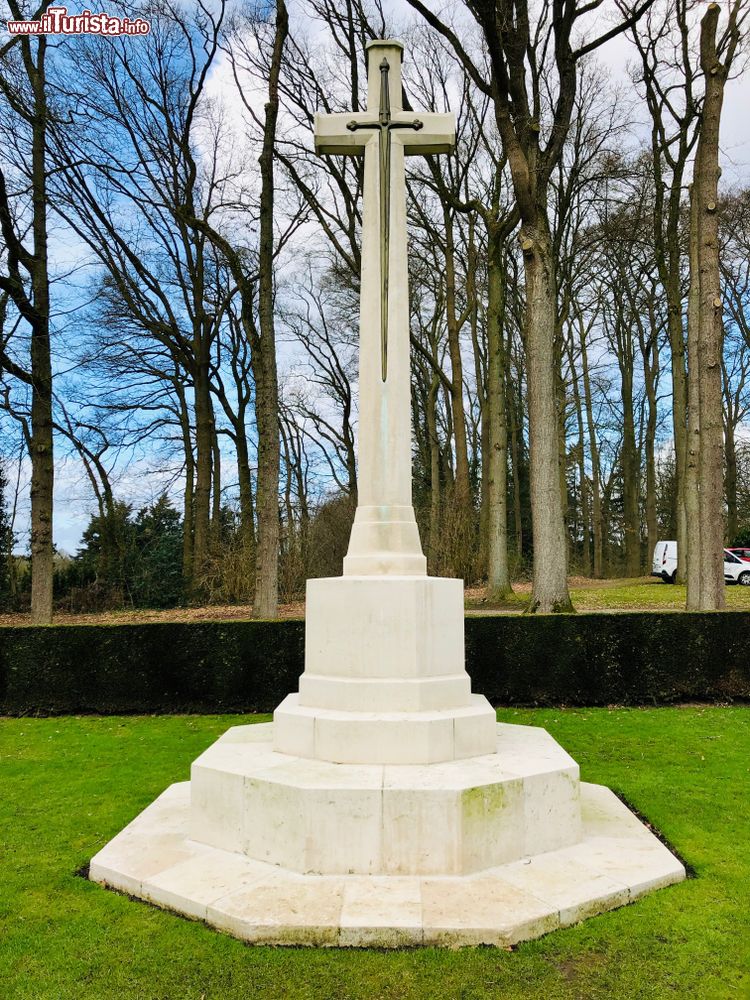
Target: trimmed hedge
[
  {"x": 155, "y": 667},
  {"x": 247, "y": 666},
  {"x": 638, "y": 658}
]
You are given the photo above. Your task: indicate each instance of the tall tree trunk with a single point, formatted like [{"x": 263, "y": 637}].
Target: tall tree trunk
[
  {"x": 484, "y": 486},
  {"x": 203, "y": 453},
  {"x": 498, "y": 571},
  {"x": 187, "y": 509},
  {"x": 304, "y": 508},
  {"x": 679, "y": 418},
  {"x": 288, "y": 505},
  {"x": 247, "y": 521},
  {"x": 264, "y": 366},
  {"x": 42, "y": 459},
  {"x": 597, "y": 523},
  {"x": 267, "y": 502},
  {"x": 730, "y": 456},
  {"x": 462, "y": 496},
  {"x": 581, "y": 450},
  {"x": 650, "y": 445},
  {"x": 562, "y": 442},
  {"x": 480, "y": 378},
  {"x": 42, "y": 478},
  {"x": 215, "y": 483},
  {"x": 459, "y": 514},
  {"x": 550, "y": 584},
  {"x": 630, "y": 479},
  {"x": 516, "y": 436},
  {"x": 710, "y": 326},
  {"x": 434, "y": 445},
  {"x": 692, "y": 505}
]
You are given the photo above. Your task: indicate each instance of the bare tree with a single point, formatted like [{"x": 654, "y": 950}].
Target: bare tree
[
  {"x": 716, "y": 56},
  {"x": 667, "y": 73},
  {"x": 25, "y": 282},
  {"x": 127, "y": 179},
  {"x": 522, "y": 55},
  {"x": 735, "y": 273},
  {"x": 323, "y": 322},
  {"x": 261, "y": 334}
]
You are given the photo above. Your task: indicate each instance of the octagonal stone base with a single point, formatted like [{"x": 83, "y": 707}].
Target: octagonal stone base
[
  {"x": 449, "y": 818},
  {"x": 616, "y": 861},
  {"x": 606, "y": 857}
]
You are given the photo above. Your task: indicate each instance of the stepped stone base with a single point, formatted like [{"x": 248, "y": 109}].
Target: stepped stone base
[
  {"x": 603, "y": 858},
  {"x": 374, "y": 738},
  {"x": 384, "y": 679},
  {"x": 451, "y": 818}
]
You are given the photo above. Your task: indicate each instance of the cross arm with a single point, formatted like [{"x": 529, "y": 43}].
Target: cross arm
[
  {"x": 437, "y": 133},
  {"x": 333, "y": 138}
]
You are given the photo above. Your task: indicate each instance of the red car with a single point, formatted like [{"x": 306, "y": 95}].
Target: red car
[{"x": 741, "y": 553}]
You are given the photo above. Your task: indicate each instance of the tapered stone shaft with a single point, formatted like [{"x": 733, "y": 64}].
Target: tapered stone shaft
[{"x": 384, "y": 539}]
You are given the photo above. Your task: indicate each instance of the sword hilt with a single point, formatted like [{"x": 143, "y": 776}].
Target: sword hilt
[{"x": 385, "y": 94}]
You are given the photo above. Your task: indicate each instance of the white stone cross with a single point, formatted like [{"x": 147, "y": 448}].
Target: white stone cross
[{"x": 384, "y": 538}]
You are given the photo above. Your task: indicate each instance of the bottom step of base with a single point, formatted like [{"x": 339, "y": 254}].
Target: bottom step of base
[{"x": 617, "y": 860}]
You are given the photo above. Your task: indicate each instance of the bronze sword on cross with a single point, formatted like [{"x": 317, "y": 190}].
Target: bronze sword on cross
[{"x": 386, "y": 124}]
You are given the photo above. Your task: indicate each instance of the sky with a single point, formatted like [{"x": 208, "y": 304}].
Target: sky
[
  {"x": 735, "y": 121},
  {"x": 143, "y": 479}
]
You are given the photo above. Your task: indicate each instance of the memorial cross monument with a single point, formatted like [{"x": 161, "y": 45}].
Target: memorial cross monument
[{"x": 385, "y": 805}]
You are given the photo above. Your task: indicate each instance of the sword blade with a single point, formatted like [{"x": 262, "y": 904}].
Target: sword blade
[{"x": 385, "y": 213}]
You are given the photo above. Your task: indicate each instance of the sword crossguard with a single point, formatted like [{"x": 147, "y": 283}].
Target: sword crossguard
[
  {"x": 356, "y": 126},
  {"x": 416, "y": 125}
]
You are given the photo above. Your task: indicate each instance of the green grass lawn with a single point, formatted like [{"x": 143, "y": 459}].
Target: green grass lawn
[
  {"x": 67, "y": 785},
  {"x": 637, "y": 594},
  {"x": 648, "y": 593}
]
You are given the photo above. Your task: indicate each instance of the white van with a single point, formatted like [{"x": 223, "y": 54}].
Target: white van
[
  {"x": 665, "y": 561},
  {"x": 736, "y": 570},
  {"x": 665, "y": 565}
]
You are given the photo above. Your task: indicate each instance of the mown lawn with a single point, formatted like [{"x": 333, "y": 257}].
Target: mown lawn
[
  {"x": 69, "y": 784},
  {"x": 627, "y": 595},
  {"x": 636, "y": 594}
]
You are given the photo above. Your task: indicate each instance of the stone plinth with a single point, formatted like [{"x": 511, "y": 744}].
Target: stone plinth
[
  {"x": 613, "y": 860},
  {"x": 384, "y": 679},
  {"x": 385, "y": 628},
  {"x": 453, "y": 818}
]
